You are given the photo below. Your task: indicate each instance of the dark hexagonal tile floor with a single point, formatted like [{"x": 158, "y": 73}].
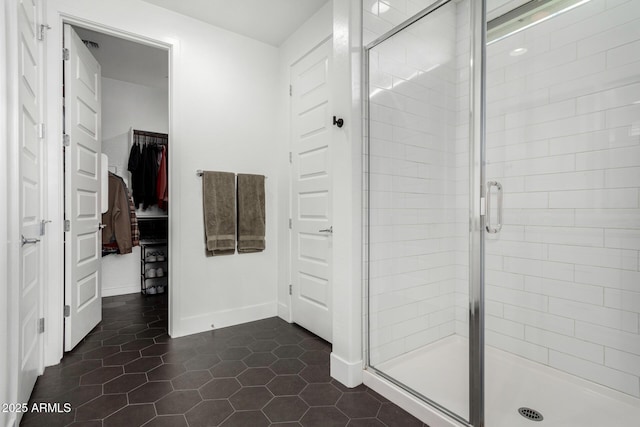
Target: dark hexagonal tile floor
[{"x": 127, "y": 372}]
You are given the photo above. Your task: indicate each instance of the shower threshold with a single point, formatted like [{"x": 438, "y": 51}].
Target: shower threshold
[{"x": 439, "y": 371}]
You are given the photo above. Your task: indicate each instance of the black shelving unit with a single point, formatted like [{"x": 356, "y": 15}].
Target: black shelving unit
[{"x": 153, "y": 238}]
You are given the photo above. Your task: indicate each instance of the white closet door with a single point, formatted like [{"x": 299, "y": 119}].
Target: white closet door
[
  {"x": 30, "y": 193},
  {"x": 83, "y": 240},
  {"x": 311, "y": 188}
]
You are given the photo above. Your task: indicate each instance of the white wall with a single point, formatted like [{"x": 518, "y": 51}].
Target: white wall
[
  {"x": 563, "y": 120},
  {"x": 309, "y": 35},
  {"x": 222, "y": 117},
  {"x": 126, "y": 105}
]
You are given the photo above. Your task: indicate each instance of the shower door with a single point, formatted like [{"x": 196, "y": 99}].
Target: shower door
[
  {"x": 424, "y": 235},
  {"x": 562, "y": 274}
]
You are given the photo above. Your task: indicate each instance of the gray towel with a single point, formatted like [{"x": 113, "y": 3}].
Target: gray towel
[
  {"x": 219, "y": 202},
  {"x": 251, "y": 215}
]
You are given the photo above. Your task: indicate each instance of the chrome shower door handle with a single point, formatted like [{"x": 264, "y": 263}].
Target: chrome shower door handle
[{"x": 490, "y": 227}]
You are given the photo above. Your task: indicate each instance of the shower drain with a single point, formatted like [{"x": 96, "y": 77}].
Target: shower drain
[{"x": 530, "y": 414}]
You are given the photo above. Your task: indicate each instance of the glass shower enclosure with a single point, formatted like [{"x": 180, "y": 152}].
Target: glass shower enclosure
[{"x": 503, "y": 211}]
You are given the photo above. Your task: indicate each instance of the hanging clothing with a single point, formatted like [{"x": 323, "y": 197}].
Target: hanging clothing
[
  {"x": 162, "y": 180},
  {"x": 150, "y": 176},
  {"x": 135, "y": 167},
  {"x": 135, "y": 229},
  {"x": 117, "y": 219}
]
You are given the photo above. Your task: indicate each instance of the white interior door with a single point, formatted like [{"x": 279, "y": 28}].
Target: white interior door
[
  {"x": 311, "y": 192},
  {"x": 30, "y": 194},
  {"x": 82, "y": 124}
]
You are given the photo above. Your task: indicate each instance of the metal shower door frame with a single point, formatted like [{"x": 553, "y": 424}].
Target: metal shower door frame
[{"x": 477, "y": 189}]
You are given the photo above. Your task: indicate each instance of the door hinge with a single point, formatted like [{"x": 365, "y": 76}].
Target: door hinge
[
  {"x": 66, "y": 140},
  {"x": 41, "y": 31},
  {"x": 290, "y": 289},
  {"x": 67, "y": 311},
  {"x": 290, "y": 90},
  {"x": 290, "y": 157},
  {"x": 483, "y": 206},
  {"x": 41, "y": 130},
  {"x": 67, "y": 225},
  {"x": 65, "y": 54},
  {"x": 290, "y": 223},
  {"x": 41, "y": 325}
]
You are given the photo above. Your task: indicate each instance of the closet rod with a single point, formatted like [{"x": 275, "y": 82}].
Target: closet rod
[
  {"x": 200, "y": 172},
  {"x": 153, "y": 134}
]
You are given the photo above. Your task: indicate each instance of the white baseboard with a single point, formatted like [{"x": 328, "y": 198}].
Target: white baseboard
[
  {"x": 408, "y": 402},
  {"x": 121, "y": 290},
  {"x": 222, "y": 319},
  {"x": 348, "y": 373},
  {"x": 284, "y": 313}
]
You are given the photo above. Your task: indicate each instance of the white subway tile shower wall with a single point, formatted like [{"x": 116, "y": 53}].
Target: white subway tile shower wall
[
  {"x": 563, "y": 121},
  {"x": 418, "y": 174},
  {"x": 563, "y": 137}
]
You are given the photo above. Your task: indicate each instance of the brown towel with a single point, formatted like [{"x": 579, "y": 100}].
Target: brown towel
[
  {"x": 251, "y": 215},
  {"x": 218, "y": 190}
]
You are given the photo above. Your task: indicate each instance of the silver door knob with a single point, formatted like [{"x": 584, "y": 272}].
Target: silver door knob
[
  {"x": 327, "y": 230},
  {"x": 26, "y": 241},
  {"x": 101, "y": 226}
]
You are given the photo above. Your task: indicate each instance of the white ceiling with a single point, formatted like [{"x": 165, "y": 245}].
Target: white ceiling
[
  {"x": 125, "y": 60},
  {"x": 269, "y": 21}
]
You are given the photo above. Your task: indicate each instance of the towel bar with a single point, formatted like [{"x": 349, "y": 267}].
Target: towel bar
[{"x": 200, "y": 172}]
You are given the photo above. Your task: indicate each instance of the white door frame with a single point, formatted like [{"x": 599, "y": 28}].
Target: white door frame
[{"x": 54, "y": 267}]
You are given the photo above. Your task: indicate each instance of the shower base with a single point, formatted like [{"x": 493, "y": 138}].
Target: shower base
[{"x": 440, "y": 372}]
